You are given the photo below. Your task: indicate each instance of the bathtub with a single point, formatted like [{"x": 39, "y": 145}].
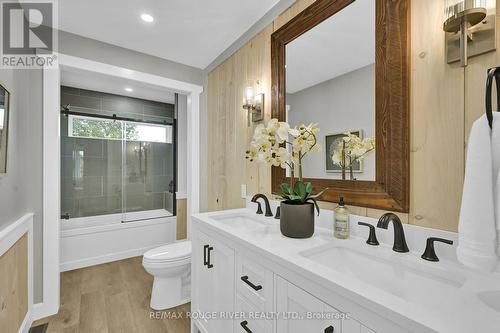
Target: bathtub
[{"x": 94, "y": 240}]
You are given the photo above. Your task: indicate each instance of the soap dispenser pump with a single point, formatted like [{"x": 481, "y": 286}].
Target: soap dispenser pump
[{"x": 341, "y": 223}]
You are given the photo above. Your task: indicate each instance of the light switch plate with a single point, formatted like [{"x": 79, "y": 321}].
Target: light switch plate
[{"x": 243, "y": 191}]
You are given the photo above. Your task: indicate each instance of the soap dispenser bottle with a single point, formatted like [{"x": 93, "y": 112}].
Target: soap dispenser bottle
[{"x": 341, "y": 223}]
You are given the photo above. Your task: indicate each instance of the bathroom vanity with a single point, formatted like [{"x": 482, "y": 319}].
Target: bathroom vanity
[{"x": 247, "y": 277}]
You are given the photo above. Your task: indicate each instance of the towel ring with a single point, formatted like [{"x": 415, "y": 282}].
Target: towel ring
[{"x": 493, "y": 73}]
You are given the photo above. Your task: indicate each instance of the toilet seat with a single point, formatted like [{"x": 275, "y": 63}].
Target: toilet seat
[
  {"x": 170, "y": 265},
  {"x": 170, "y": 253}
]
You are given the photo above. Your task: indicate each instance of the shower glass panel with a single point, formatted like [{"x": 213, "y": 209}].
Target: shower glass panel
[
  {"x": 116, "y": 167},
  {"x": 148, "y": 180},
  {"x": 91, "y": 166}
]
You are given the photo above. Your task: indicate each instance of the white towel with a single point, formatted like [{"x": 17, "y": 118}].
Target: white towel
[
  {"x": 495, "y": 146},
  {"x": 477, "y": 246}
]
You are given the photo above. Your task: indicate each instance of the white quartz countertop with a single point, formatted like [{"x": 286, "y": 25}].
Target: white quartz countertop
[{"x": 473, "y": 305}]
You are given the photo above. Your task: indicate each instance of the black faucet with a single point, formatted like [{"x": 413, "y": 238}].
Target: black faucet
[
  {"x": 399, "y": 233},
  {"x": 266, "y": 202},
  {"x": 429, "y": 253}
]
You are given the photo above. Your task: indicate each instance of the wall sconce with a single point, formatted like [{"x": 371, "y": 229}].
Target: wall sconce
[
  {"x": 254, "y": 104},
  {"x": 470, "y": 28}
]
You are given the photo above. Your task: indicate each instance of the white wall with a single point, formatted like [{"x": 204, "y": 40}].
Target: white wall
[
  {"x": 339, "y": 105},
  {"x": 204, "y": 146},
  {"x": 181, "y": 145}
]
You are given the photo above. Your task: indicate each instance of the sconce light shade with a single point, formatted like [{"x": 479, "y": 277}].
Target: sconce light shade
[
  {"x": 254, "y": 104},
  {"x": 249, "y": 96},
  {"x": 461, "y": 23},
  {"x": 456, "y": 12}
]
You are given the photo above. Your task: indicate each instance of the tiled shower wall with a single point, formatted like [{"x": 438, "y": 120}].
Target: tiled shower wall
[{"x": 144, "y": 178}]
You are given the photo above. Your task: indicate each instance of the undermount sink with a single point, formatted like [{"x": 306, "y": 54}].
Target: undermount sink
[
  {"x": 491, "y": 299},
  {"x": 402, "y": 276},
  {"x": 242, "y": 221}
]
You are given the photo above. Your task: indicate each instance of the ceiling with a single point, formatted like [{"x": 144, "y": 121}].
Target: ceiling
[
  {"x": 191, "y": 32},
  {"x": 114, "y": 85},
  {"x": 339, "y": 45}
]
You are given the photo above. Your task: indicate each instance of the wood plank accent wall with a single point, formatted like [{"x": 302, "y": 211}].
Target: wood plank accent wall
[
  {"x": 437, "y": 159},
  {"x": 181, "y": 219},
  {"x": 14, "y": 286},
  {"x": 445, "y": 100}
]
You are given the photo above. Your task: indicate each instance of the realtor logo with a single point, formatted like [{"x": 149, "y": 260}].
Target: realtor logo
[{"x": 28, "y": 34}]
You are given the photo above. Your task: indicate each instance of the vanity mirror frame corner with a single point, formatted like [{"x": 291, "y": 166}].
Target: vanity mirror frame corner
[
  {"x": 4, "y": 144},
  {"x": 390, "y": 190}
]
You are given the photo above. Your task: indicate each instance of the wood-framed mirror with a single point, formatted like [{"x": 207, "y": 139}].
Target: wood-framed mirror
[
  {"x": 4, "y": 127},
  {"x": 349, "y": 59}
]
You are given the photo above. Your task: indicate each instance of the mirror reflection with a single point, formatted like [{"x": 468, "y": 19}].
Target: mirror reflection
[
  {"x": 4, "y": 125},
  {"x": 330, "y": 80}
]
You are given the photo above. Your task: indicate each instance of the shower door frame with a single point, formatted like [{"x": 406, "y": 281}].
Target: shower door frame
[
  {"x": 126, "y": 120},
  {"x": 51, "y": 159}
]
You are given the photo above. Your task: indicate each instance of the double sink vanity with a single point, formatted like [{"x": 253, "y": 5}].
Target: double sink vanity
[{"x": 247, "y": 277}]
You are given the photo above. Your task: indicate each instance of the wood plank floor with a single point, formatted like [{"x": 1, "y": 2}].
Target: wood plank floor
[{"x": 112, "y": 297}]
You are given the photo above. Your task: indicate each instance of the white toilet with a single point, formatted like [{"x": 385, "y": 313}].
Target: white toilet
[{"x": 171, "y": 267}]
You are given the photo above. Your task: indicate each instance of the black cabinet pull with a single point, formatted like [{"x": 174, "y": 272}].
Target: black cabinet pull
[
  {"x": 253, "y": 286},
  {"x": 329, "y": 329},
  {"x": 209, "y": 264},
  {"x": 205, "y": 261},
  {"x": 245, "y": 327}
]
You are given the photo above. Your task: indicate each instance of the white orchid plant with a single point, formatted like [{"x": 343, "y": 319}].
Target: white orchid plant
[
  {"x": 351, "y": 149},
  {"x": 280, "y": 145}
]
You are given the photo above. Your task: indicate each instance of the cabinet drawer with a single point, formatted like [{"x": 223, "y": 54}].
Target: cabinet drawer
[
  {"x": 350, "y": 325},
  {"x": 313, "y": 315},
  {"x": 253, "y": 321},
  {"x": 254, "y": 282}
]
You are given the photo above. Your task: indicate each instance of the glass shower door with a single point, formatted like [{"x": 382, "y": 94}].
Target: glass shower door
[
  {"x": 148, "y": 171},
  {"x": 117, "y": 167},
  {"x": 91, "y": 166}
]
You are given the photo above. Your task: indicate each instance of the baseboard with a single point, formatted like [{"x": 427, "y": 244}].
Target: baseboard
[
  {"x": 26, "y": 324},
  {"x": 87, "y": 262}
]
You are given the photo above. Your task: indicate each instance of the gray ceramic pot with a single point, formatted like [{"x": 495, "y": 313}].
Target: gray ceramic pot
[{"x": 297, "y": 221}]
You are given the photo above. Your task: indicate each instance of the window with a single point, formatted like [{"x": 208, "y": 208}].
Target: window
[
  {"x": 148, "y": 132},
  {"x": 2, "y": 112},
  {"x": 97, "y": 128}
]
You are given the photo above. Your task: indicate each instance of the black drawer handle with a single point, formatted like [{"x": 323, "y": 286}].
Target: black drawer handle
[
  {"x": 245, "y": 327},
  {"x": 205, "y": 261},
  {"x": 329, "y": 329},
  {"x": 253, "y": 286},
  {"x": 209, "y": 264}
]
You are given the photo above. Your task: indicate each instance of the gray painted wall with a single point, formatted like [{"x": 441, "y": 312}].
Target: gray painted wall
[
  {"x": 87, "y": 48},
  {"x": 21, "y": 187},
  {"x": 342, "y": 104}
]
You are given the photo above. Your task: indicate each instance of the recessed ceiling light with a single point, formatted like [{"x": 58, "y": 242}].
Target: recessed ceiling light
[
  {"x": 129, "y": 89},
  {"x": 147, "y": 18}
]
